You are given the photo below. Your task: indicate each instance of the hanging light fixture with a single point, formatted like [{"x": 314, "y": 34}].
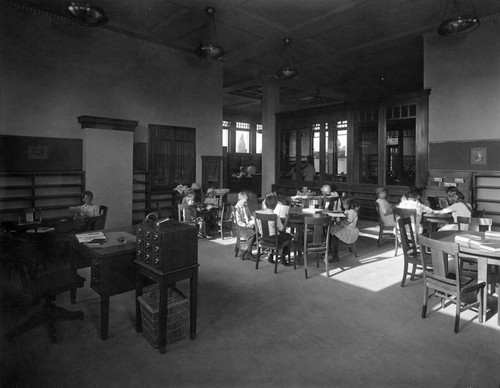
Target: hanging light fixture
[
  {"x": 209, "y": 46},
  {"x": 457, "y": 20},
  {"x": 288, "y": 71},
  {"x": 86, "y": 13}
]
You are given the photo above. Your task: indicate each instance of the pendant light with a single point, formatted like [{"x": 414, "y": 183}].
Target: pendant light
[
  {"x": 209, "y": 46},
  {"x": 288, "y": 71},
  {"x": 457, "y": 20},
  {"x": 86, "y": 13}
]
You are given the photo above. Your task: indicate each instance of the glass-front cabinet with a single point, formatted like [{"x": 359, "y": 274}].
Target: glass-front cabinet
[{"x": 382, "y": 143}]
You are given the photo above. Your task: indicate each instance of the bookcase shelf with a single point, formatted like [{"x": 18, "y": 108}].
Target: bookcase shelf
[{"x": 53, "y": 192}]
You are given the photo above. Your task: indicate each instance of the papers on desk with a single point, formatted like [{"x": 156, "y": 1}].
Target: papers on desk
[{"x": 92, "y": 239}]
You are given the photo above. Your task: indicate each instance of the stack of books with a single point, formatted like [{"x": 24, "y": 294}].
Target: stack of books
[
  {"x": 92, "y": 239},
  {"x": 490, "y": 241}
]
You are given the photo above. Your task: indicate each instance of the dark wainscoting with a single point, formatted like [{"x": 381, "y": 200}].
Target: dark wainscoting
[{"x": 26, "y": 153}]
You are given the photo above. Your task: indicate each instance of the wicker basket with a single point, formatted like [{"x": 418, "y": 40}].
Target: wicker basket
[{"x": 177, "y": 315}]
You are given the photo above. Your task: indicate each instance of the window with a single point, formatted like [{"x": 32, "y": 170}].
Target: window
[
  {"x": 225, "y": 137},
  {"x": 366, "y": 152},
  {"x": 258, "y": 140},
  {"x": 243, "y": 142},
  {"x": 336, "y": 151},
  {"x": 400, "y": 145},
  {"x": 225, "y": 133}
]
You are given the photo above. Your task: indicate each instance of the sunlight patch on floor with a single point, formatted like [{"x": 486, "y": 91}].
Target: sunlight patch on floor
[
  {"x": 226, "y": 241},
  {"x": 369, "y": 277}
]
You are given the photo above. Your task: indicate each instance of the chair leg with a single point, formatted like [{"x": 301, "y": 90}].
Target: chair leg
[
  {"x": 413, "y": 271},
  {"x": 277, "y": 254},
  {"x": 481, "y": 305},
  {"x": 457, "y": 316},
  {"x": 424, "y": 306},
  {"x": 405, "y": 272},
  {"x": 258, "y": 257},
  {"x": 305, "y": 263}
]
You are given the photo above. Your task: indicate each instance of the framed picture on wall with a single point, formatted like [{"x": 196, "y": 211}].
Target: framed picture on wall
[
  {"x": 478, "y": 155},
  {"x": 38, "y": 152}
]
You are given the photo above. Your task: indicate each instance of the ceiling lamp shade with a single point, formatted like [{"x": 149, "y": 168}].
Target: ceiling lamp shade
[
  {"x": 458, "y": 20},
  {"x": 209, "y": 46},
  {"x": 288, "y": 71},
  {"x": 86, "y": 13}
]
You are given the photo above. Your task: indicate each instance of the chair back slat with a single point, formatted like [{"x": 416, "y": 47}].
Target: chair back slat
[
  {"x": 264, "y": 221},
  {"x": 441, "y": 252}
]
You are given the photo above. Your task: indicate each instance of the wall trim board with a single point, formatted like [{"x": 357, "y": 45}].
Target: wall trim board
[
  {"x": 107, "y": 123},
  {"x": 457, "y": 155},
  {"x": 29, "y": 153}
]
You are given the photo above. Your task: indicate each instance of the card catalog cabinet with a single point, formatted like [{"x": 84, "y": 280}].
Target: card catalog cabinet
[{"x": 168, "y": 245}]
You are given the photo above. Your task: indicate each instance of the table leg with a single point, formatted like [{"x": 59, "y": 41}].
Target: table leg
[
  {"x": 193, "y": 305},
  {"x": 482, "y": 276},
  {"x": 139, "y": 284},
  {"x": 163, "y": 316},
  {"x": 104, "y": 316}
]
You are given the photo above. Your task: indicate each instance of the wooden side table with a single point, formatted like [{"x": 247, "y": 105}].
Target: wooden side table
[{"x": 164, "y": 279}]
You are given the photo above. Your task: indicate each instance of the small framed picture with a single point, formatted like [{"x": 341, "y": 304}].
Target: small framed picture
[
  {"x": 478, "y": 155},
  {"x": 38, "y": 152}
]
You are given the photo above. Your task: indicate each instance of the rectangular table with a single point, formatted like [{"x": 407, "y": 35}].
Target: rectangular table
[{"x": 484, "y": 258}]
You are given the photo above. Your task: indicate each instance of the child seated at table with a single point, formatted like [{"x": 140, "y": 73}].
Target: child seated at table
[
  {"x": 190, "y": 214},
  {"x": 412, "y": 202},
  {"x": 384, "y": 207},
  {"x": 271, "y": 203},
  {"x": 346, "y": 230},
  {"x": 211, "y": 199},
  {"x": 458, "y": 208},
  {"x": 88, "y": 209}
]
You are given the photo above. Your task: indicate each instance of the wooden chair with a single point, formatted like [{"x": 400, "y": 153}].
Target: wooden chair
[
  {"x": 186, "y": 213},
  {"x": 236, "y": 232},
  {"x": 331, "y": 203},
  {"x": 447, "y": 285},
  {"x": 386, "y": 230},
  {"x": 474, "y": 224},
  {"x": 98, "y": 222},
  {"x": 315, "y": 240},
  {"x": 399, "y": 213},
  {"x": 46, "y": 279},
  {"x": 225, "y": 219},
  {"x": 266, "y": 241},
  {"x": 411, "y": 251}
]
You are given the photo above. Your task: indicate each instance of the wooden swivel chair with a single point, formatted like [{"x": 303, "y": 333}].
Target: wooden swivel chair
[
  {"x": 386, "y": 229},
  {"x": 186, "y": 213},
  {"x": 315, "y": 240},
  {"x": 266, "y": 241},
  {"x": 400, "y": 213},
  {"x": 411, "y": 251},
  {"x": 447, "y": 285},
  {"x": 46, "y": 279},
  {"x": 98, "y": 222}
]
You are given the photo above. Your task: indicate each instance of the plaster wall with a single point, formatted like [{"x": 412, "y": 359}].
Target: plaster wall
[
  {"x": 53, "y": 70},
  {"x": 463, "y": 73}
]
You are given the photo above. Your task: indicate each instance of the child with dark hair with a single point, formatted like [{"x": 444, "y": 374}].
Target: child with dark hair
[
  {"x": 271, "y": 202},
  {"x": 88, "y": 209},
  {"x": 346, "y": 230}
]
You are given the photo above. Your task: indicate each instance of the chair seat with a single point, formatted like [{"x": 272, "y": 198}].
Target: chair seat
[{"x": 56, "y": 281}]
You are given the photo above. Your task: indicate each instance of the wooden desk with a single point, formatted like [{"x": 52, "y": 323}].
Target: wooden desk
[
  {"x": 112, "y": 270},
  {"x": 484, "y": 258},
  {"x": 164, "y": 279}
]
